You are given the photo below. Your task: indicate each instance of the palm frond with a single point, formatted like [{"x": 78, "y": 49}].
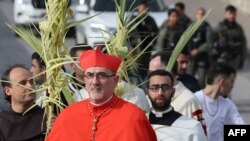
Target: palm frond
[{"x": 184, "y": 40}]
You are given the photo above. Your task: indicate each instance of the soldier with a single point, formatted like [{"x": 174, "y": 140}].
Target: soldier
[
  {"x": 230, "y": 45},
  {"x": 199, "y": 49},
  {"x": 146, "y": 31},
  {"x": 170, "y": 32},
  {"x": 184, "y": 20}
]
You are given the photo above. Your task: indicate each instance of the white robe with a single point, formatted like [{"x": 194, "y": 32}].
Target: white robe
[
  {"x": 184, "y": 101},
  {"x": 132, "y": 94},
  {"x": 217, "y": 113},
  {"x": 183, "y": 129}
]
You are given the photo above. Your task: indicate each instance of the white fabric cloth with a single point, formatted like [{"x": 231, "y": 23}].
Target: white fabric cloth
[
  {"x": 160, "y": 114},
  {"x": 217, "y": 113},
  {"x": 40, "y": 98},
  {"x": 76, "y": 92},
  {"x": 132, "y": 94},
  {"x": 183, "y": 129},
  {"x": 184, "y": 101}
]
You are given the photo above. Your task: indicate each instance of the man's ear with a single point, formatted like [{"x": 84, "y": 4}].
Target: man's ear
[
  {"x": 43, "y": 68},
  {"x": 116, "y": 79},
  {"x": 221, "y": 82},
  {"x": 7, "y": 90}
]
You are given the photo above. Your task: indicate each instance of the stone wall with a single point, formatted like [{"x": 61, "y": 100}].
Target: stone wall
[{"x": 243, "y": 5}]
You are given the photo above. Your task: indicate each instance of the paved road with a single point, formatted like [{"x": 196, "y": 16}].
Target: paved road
[
  {"x": 240, "y": 93},
  {"x": 12, "y": 50}
]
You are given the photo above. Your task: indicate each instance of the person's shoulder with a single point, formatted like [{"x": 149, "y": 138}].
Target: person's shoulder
[
  {"x": 74, "y": 108},
  {"x": 220, "y": 26},
  {"x": 238, "y": 25},
  {"x": 129, "y": 105},
  {"x": 37, "y": 112},
  {"x": 185, "y": 91},
  {"x": 206, "y": 23},
  {"x": 190, "y": 77},
  {"x": 186, "y": 122},
  {"x": 131, "y": 109},
  {"x": 182, "y": 91},
  {"x": 150, "y": 18},
  {"x": 190, "y": 82},
  {"x": 221, "y": 23},
  {"x": 199, "y": 93},
  {"x": 226, "y": 101},
  {"x": 2, "y": 116},
  {"x": 38, "y": 109}
]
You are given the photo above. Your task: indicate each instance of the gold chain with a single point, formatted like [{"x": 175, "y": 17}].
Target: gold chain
[{"x": 96, "y": 119}]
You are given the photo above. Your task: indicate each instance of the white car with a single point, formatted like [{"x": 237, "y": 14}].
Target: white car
[
  {"x": 91, "y": 31},
  {"x": 28, "y": 12}
]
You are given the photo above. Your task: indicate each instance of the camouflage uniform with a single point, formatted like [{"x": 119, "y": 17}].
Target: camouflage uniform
[
  {"x": 143, "y": 35},
  {"x": 199, "y": 64},
  {"x": 184, "y": 21},
  {"x": 229, "y": 45},
  {"x": 168, "y": 38}
]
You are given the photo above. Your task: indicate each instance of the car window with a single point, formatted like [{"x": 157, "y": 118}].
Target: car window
[
  {"x": 109, "y": 5},
  {"x": 40, "y": 4}
]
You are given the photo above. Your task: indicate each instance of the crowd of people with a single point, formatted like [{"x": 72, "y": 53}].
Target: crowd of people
[{"x": 189, "y": 103}]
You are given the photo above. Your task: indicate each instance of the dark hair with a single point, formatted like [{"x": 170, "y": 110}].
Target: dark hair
[
  {"x": 219, "y": 69},
  {"x": 180, "y": 5},
  {"x": 79, "y": 47},
  {"x": 185, "y": 51},
  {"x": 39, "y": 59},
  {"x": 139, "y": 2},
  {"x": 6, "y": 77},
  {"x": 161, "y": 73},
  {"x": 231, "y": 8},
  {"x": 172, "y": 11},
  {"x": 202, "y": 9},
  {"x": 164, "y": 57}
]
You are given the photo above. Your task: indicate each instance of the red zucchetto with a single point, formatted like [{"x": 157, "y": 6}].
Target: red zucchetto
[{"x": 96, "y": 58}]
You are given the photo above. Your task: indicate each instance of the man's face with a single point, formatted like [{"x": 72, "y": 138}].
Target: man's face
[
  {"x": 100, "y": 83},
  {"x": 21, "y": 89},
  {"x": 230, "y": 16},
  {"x": 79, "y": 72},
  {"x": 36, "y": 69},
  {"x": 199, "y": 14},
  {"x": 156, "y": 64},
  {"x": 227, "y": 85},
  {"x": 142, "y": 9},
  {"x": 182, "y": 61},
  {"x": 173, "y": 18},
  {"x": 160, "y": 92}
]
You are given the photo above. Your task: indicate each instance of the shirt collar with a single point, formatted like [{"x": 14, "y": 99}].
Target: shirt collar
[
  {"x": 160, "y": 114},
  {"x": 100, "y": 104}
]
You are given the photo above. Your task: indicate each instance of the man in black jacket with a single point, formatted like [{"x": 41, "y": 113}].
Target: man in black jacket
[
  {"x": 145, "y": 33},
  {"x": 20, "y": 122}
]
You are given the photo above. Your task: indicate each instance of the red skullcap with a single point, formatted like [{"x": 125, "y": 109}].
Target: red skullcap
[{"x": 96, "y": 58}]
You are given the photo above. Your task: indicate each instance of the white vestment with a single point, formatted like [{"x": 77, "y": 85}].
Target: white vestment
[
  {"x": 217, "y": 113},
  {"x": 184, "y": 101},
  {"x": 182, "y": 129}
]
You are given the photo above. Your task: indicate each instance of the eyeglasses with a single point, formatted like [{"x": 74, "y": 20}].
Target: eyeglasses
[
  {"x": 163, "y": 87},
  {"x": 99, "y": 76}
]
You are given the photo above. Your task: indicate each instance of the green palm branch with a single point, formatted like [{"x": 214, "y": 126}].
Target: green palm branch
[{"x": 184, "y": 40}]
